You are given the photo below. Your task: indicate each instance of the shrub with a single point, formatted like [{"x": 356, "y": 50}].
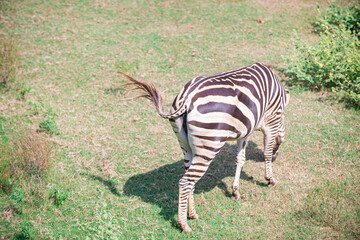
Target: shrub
[
  {"x": 337, "y": 16},
  {"x": 8, "y": 60},
  {"x": 334, "y": 63}
]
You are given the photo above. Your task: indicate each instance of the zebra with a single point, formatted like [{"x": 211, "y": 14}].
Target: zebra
[{"x": 212, "y": 109}]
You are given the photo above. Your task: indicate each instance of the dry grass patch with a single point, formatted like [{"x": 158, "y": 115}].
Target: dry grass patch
[
  {"x": 25, "y": 159},
  {"x": 9, "y": 56}
]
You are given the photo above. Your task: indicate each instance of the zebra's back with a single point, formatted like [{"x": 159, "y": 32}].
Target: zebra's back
[{"x": 231, "y": 103}]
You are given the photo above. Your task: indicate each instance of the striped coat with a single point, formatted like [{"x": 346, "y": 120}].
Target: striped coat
[{"x": 210, "y": 110}]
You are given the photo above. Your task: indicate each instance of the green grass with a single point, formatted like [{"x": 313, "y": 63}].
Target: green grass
[{"x": 117, "y": 164}]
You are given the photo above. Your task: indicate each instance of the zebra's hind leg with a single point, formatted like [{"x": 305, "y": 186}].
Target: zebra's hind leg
[
  {"x": 185, "y": 188},
  {"x": 240, "y": 160},
  {"x": 197, "y": 169}
]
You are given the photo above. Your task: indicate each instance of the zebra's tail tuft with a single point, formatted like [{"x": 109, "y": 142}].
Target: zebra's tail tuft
[{"x": 153, "y": 95}]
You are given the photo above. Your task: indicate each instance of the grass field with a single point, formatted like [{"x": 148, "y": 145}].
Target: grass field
[{"x": 115, "y": 165}]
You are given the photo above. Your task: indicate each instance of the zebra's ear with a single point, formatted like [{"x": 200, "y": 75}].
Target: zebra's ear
[{"x": 287, "y": 93}]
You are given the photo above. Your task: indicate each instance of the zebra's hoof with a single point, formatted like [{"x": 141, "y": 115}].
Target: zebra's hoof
[
  {"x": 185, "y": 228},
  {"x": 235, "y": 195},
  {"x": 274, "y": 157},
  {"x": 194, "y": 216},
  {"x": 273, "y": 184}
]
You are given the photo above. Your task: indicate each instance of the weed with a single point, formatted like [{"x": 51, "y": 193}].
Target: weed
[
  {"x": 49, "y": 126},
  {"x": 17, "y": 199},
  {"x": 59, "y": 196},
  {"x": 127, "y": 66},
  {"x": 3, "y": 138},
  {"x": 35, "y": 108},
  {"x": 32, "y": 154},
  {"x": 27, "y": 230},
  {"x": 49, "y": 112},
  {"x": 5, "y": 168},
  {"x": 24, "y": 90},
  {"x": 115, "y": 90}
]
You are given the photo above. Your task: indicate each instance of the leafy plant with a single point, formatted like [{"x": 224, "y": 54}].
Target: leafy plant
[
  {"x": 49, "y": 126},
  {"x": 17, "y": 198},
  {"x": 59, "y": 195},
  {"x": 24, "y": 90},
  {"x": 35, "y": 108},
  {"x": 27, "y": 230}
]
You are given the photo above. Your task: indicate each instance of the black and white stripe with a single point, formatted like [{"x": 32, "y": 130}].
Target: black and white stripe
[{"x": 210, "y": 110}]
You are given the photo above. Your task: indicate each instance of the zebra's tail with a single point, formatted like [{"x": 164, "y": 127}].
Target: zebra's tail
[{"x": 153, "y": 95}]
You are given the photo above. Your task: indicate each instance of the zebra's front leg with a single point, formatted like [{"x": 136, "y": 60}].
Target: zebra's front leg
[
  {"x": 240, "y": 160},
  {"x": 269, "y": 139}
]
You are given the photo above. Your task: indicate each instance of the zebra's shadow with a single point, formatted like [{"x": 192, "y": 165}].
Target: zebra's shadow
[{"x": 160, "y": 186}]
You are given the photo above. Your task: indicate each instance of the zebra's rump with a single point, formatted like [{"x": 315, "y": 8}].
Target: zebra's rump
[{"x": 232, "y": 103}]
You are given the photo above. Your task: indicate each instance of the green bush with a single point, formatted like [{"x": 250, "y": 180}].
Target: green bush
[
  {"x": 334, "y": 64},
  {"x": 337, "y": 16}
]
